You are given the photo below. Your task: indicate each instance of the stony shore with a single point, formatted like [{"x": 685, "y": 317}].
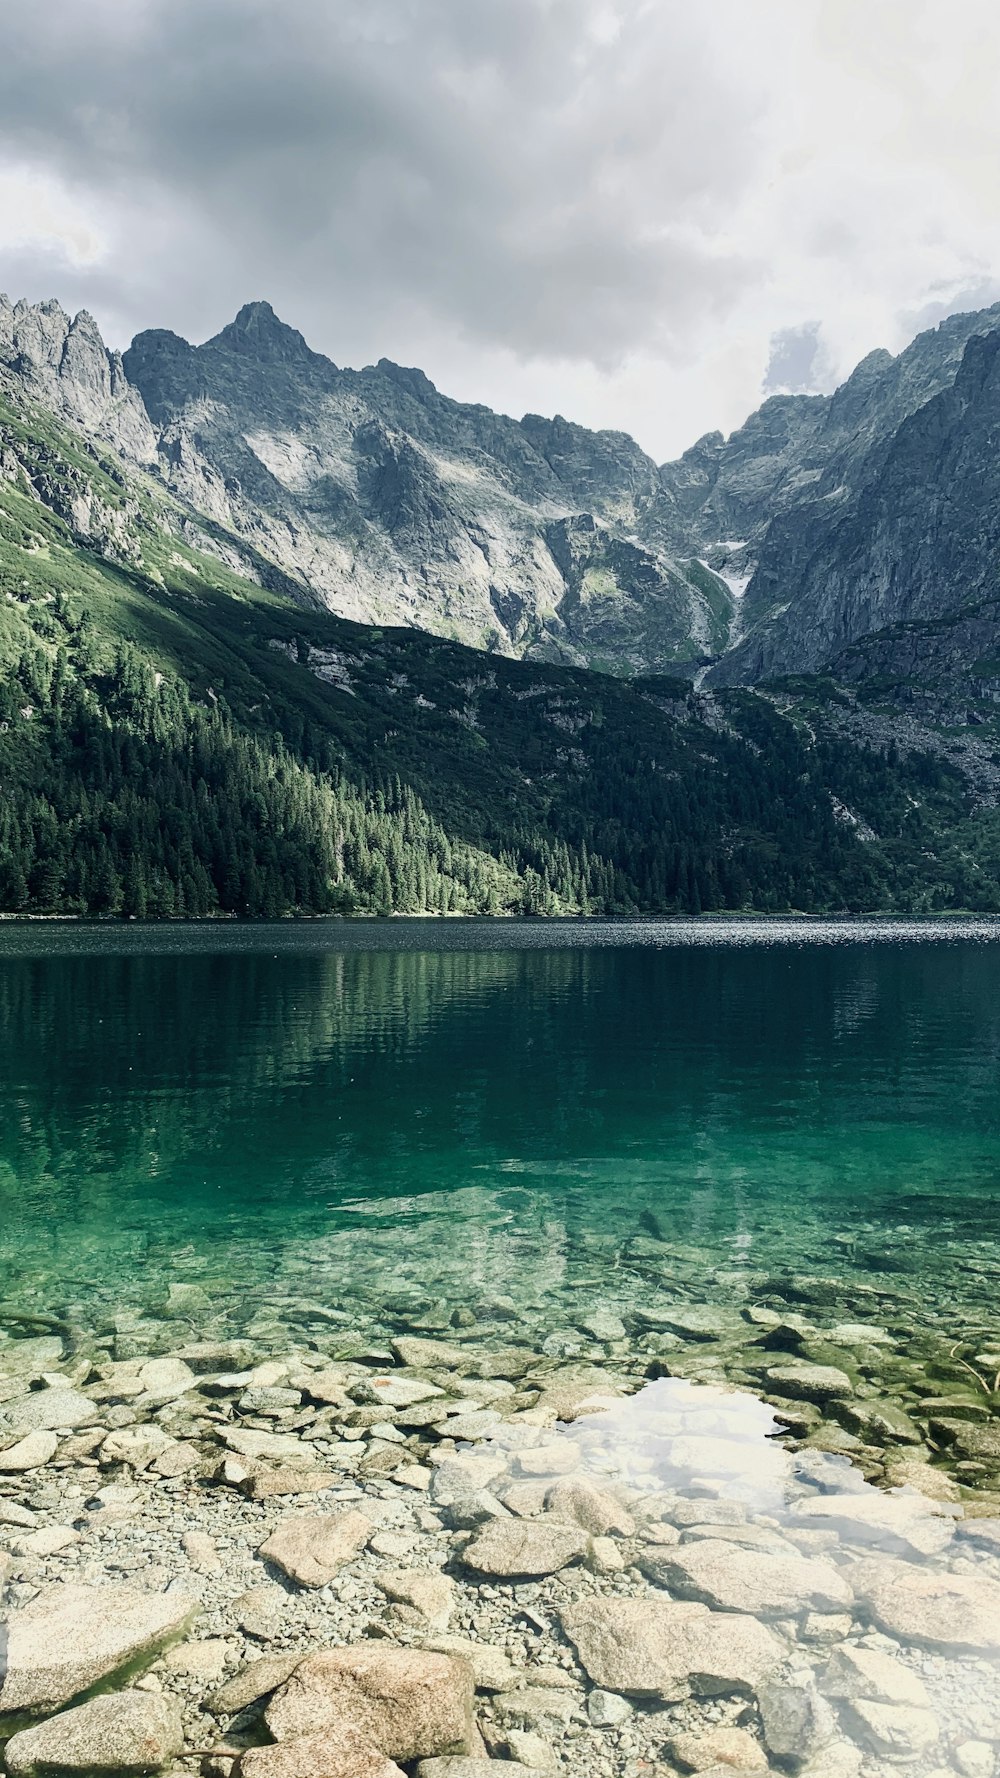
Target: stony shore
[{"x": 458, "y": 1549}]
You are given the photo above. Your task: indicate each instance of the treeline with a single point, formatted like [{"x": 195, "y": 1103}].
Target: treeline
[{"x": 124, "y": 795}]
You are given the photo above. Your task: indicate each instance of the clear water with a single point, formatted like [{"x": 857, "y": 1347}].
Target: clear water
[{"x": 425, "y": 1116}]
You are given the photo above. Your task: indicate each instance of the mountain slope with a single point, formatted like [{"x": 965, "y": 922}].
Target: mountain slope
[
  {"x": 175, "y": 739},
  {"x": 391, "y": 503},
  {"x": 883, "y": 514}
]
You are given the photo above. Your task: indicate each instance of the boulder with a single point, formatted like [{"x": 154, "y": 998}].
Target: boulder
[
  {"x": 394, "y": 1391},
  {"x": 491, "y": 1669},
  {"x": 407, "y": 1703},
  {"x": 137, "y": 1446},
  {"x": 810, "y": 1382},
  {"x": 123, "y": 1732},
  {"x": 272, "y": 1481},
  {"x": 732, "y": 1578},
  {"x": 595, "y": 1509},
  {"x": 164, "y": 1379},
  {"x": 608, "y": 1710},
  {"x": 796, "y": 1721},
  {"x": 654, "y": 1648},
  {"x": 878, "y": 1422},
  {"x": 423, "y": 1354},
  {"x": 461, "y": 1767},
  {"x": 31, "y": 1452},
  {"x": 46, "y": 1410},
  {"x": 312, "y": 1547},
  {"x": 258, "y": 1679},
  {"x": 269, "y": 1447},
  {"x": 329, "y": 1754},
  {"x": 732, "y": 1748},
  {"x": 70, "y": 1637},
  {"x": 506, "y": 1547},
  {"x": 931, "y": 1609}
]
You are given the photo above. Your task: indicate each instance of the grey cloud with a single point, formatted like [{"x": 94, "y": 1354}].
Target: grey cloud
[
  {"x": 798, "y": 362},
  {"x": 390, "y": 169}
]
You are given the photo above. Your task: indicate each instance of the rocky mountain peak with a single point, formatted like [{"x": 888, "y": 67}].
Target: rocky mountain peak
[
  {"x": 258, "y": 333},
  {"x": 65, "y": 365}
]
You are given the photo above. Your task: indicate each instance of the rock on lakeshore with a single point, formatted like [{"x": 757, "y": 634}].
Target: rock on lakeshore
[
  {"x": 71, "y": 1637},
  {"x": 657, "y": 1649},
  {"x": 327, "y": 1755},
  {"x": 406, "y": 1703},
  {"x": 311, "y": 1548},
  {"x": 525, "y": 1546}
]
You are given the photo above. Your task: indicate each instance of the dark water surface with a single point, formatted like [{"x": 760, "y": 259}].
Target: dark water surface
[{"x": 348, "y": 1109}]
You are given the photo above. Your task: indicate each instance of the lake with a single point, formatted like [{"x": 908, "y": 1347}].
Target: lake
[
  {"x": 634, "y": 1286},
  {"x": 398, "y": 1120}
]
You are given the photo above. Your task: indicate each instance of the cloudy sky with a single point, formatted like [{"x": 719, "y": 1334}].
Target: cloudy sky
[{"x": 638, "y": 213}]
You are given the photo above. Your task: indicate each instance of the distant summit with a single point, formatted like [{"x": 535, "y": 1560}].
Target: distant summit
[{"x": 258, "y": 332}]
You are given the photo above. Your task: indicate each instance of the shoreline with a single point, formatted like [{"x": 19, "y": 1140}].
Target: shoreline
[{"x": 523, "y": 1524}]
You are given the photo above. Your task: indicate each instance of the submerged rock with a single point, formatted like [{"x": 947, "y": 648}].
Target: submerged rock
[
  {"x": 506, "y": 1547},
  {"x": 907, "y": 1522},
  {"x": 929, "y": 1608},
  {"x": 796, "y": 1721},
  {"x": 71, "y": 1637},
  {"x": 899, "y": 1731},
  {"x": 311, "y": 1548},
  {"x": 813, "y": 1382},
  {"x": 732, "y": 1578},
  {"x": 124, "y": 1732},
  {"x": 854, "y": 1672}
]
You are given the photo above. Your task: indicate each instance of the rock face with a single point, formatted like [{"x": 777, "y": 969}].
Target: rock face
[
  {"x": 406, "y": 1703},
  {"x": 862, "y": 541},
  {"x": 393, "y": 504},
  {"x": 71, "y": 1637},
  {"x": 817, "y": 527},
  {"x": 127, "y": 1732},
  {"x": 65, "y": 365},
  {"x": 656, "y": 1649}
]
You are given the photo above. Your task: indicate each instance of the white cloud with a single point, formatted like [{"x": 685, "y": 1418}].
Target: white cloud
[
  {"x": 608, "y": 208},
  {"x": 38, "y": 213}
]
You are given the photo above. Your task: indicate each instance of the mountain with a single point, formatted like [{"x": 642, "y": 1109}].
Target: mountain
[
  {"x": 179, "y": 739},
  {"x": 880, "y": 509},
  {"x": 822, "y": 521},
  {"x": 390, "y": 503}
]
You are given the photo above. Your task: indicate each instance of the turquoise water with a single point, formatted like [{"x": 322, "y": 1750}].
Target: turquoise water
[{"x": 394, "y": 1120}]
